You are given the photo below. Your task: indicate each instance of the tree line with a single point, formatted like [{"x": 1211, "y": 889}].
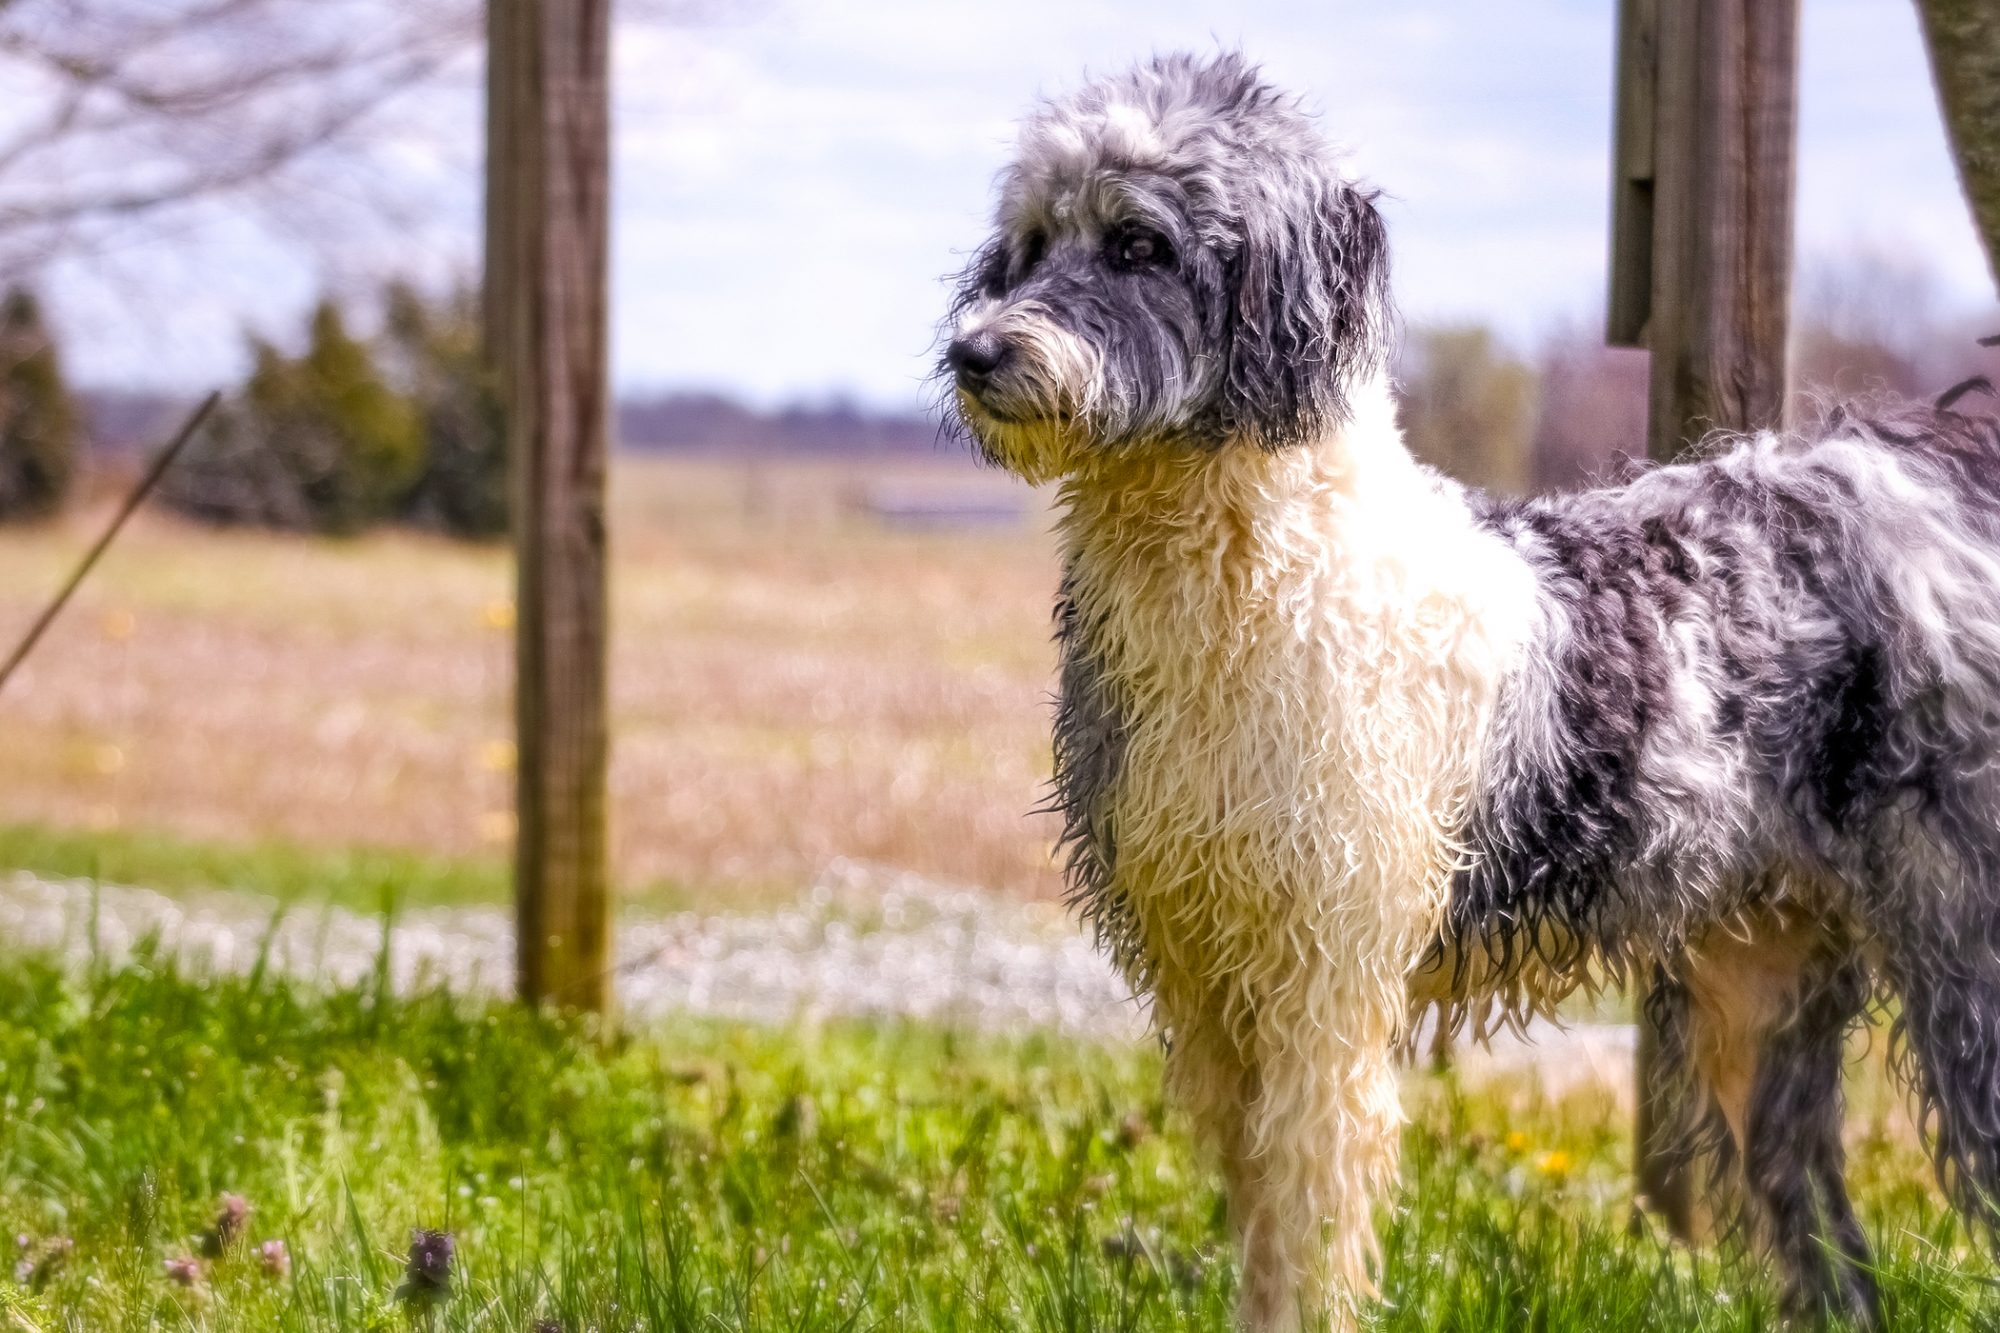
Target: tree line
[
  {"x": 348, "y": 431},
  {"x": 344, "y": 434},
  {"x": 1573, "y": 411}
]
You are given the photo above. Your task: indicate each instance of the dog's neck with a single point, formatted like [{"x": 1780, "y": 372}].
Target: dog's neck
[
  {"x": 1198, "y": 504},
  {"x": 1206, "y": 551}
]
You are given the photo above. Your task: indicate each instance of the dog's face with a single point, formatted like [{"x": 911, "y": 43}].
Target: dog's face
[{"x": 1177, "y": 264}]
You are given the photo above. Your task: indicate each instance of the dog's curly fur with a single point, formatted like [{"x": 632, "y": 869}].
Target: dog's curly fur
[{"x": 1337, "y": 737}]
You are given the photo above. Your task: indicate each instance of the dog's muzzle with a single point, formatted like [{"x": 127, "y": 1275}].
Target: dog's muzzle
[{"x": 975, "y": 359}]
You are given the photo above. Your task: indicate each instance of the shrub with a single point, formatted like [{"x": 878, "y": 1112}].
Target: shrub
[
  {"x": 434, "y": 351},
  {"x": 1469, "y": 407},
  {"x": 320, "y": 443},
  {"x": 37, "y": 418},
  {"x": 352, "y": 434}
]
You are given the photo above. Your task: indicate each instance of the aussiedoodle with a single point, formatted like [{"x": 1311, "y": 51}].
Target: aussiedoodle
[{"x": 1338, "y": 737}]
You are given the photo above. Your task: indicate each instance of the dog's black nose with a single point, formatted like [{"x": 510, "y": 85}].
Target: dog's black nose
[{"x": 974, "y": 358}]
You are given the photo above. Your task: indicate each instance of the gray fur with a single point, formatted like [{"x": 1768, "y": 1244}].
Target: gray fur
[
  {"x": 1274, "y": 299},
  {"x": 1771, "y": 682},
  {"x": 1794, "y": 1168},
  {"x": 1089, "y": 753},
  {"x": 1765, "y": 685}
]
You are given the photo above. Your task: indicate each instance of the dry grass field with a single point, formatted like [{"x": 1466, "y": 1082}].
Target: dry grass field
[{"x": 794, "y": 681}]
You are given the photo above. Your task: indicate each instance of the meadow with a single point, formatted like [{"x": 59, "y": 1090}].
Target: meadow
[
  {"x": 793, "y": 681},
  {"x": 250, "y": 1154}
]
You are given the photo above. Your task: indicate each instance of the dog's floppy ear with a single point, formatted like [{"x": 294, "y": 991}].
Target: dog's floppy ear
[{"x": 1309, "y": 315}]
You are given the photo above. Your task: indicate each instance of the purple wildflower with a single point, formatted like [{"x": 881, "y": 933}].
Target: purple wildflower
[{"x": 427, "y": 1277}]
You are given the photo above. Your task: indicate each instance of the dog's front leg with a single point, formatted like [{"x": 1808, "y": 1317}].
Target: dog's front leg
[
  {"x": 1324, "y": 1139},
  {"x": 1211, "y": 1074},
  {"x": 1299, "y": 1102}
]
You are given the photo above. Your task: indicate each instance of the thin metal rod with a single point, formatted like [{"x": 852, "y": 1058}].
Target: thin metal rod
[{"x": 161, "y": 463}]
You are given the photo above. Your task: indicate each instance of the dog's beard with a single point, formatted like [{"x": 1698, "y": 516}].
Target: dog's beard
[
  {"x": 1037, "y": 449},
  {"x": 1042, "y": 414}
]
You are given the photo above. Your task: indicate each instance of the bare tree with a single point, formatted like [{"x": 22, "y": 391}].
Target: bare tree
[
  {"x": 1870, "y": 321},
  {"x": 116, "y": 113},
  {"x": 1469, "y": 406},
  {"x": 1964, "y": 41},
  {"x": 1593, "y": 409}
]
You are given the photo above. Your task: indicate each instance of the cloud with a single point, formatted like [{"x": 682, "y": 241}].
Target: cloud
[{"x": 795, "y": 182}]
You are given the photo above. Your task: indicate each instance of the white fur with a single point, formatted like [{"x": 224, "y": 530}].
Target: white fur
[{"x": 1307, "y": 645}]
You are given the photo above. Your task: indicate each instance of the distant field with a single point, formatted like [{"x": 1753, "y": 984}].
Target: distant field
[{"x": 793, "y": 680}]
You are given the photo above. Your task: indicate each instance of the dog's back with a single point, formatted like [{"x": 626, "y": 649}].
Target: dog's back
[
  {"x": 1777, "y": 657},
  {"x": 1755, "y": 751}
]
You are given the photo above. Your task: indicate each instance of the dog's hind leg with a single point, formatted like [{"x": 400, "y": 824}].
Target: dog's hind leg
[
  {"x": 1949, "y": 1031},
  {"x": 1769, "y": 1009},
  {"x": 1793, "y": 1163}
]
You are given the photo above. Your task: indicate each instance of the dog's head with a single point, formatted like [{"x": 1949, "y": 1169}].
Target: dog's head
[{"x": 1177, "y": 263}]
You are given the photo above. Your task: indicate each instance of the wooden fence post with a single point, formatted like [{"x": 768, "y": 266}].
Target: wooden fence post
[
  {"x": 545, "y": 300},
  {"x": 1963, "y": 38},
  {"x": 1701, "y": 264}
]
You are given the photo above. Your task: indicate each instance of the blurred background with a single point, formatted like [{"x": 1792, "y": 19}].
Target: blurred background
[{"x": 830, "y": 629}]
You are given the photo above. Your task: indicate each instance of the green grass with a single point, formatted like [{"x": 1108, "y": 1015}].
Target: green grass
[
  {"x": 360, "y": 879},
  {"x": 356, "y": 878},
  {"x": 713, "y": 1178}
]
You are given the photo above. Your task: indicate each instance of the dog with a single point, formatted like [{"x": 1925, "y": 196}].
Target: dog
[{"x": 1337, "y": 738}]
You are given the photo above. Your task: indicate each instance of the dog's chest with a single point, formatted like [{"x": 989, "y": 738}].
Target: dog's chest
[
  {"x": 1287, "y": 721},
  {"x": 1236, "y": 691}
]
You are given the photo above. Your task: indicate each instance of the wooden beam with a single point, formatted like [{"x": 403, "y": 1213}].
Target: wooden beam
[
  {"x": 1724, "y": 113},
  {"x": 548, "y": 163},
  {"x": 1632, "y": 172},
  {"x": 1963, "y": 38},
  {"x": 1724, "y": 154}
]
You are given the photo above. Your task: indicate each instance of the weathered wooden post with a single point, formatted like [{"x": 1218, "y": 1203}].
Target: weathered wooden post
[
  {"x": 1963, "y": 38},
  {"x": 547, "y": 211},
  {"x": 1707, "y": 112}
]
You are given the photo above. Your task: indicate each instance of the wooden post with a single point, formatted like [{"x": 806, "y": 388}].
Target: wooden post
[
  {"x": 1632, "y": 170},
  {"x": 1702, "y": 259},
  {"x": 1963, "y": 38},
  {"x": 547, "y": 210}
]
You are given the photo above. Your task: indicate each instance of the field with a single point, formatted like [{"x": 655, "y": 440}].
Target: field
[
  {"x": 701, "y": 1177},
  {"x": 797, "y": 683},
  {"x": 793, "y": 681}
]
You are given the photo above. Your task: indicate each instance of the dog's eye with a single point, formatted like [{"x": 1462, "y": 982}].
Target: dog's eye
[{"x": 1136, "y": 247}]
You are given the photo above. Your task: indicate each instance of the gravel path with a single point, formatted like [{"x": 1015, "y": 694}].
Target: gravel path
[{"x": 863, "y": 943}]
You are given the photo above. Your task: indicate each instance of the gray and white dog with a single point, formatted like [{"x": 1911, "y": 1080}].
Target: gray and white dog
[{"x": 1338, "y": 737}]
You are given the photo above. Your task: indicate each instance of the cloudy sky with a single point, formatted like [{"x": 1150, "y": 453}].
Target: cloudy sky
[{"x": 797, "y": 177}]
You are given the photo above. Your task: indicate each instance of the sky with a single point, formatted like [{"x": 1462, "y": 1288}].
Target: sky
[{"x": 796, "y": 179}]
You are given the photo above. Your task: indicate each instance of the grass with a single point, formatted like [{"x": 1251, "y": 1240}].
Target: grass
[
  {"x": 357, "y": 878},
  {"x": 360, "y": 879},
  {"x": 710, "y": 1178},
  {"x": 791, "y": 682}
]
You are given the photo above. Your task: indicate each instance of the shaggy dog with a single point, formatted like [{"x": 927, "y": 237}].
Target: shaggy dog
[{"x": 1338, "y": 737}]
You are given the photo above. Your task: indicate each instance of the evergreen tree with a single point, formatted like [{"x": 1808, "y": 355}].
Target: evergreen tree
[
  {"x": 434, "y": 349},
  {"x": 37, "y": 418},
  {"x": 322, "y": 442}
]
